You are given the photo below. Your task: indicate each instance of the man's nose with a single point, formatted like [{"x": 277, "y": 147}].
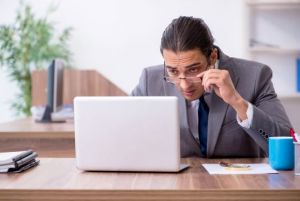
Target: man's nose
[{"x": 184, "y": 84}]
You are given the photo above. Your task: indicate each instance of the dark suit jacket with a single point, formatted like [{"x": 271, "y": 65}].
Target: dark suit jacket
[{"x": 226, "y": 138}]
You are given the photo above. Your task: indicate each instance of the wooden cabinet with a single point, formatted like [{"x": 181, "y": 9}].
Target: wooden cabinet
[{"x": 75, "y": 83}]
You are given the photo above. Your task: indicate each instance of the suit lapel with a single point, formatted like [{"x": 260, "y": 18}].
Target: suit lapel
[
  {"x": 218, "y": 107},
  {"x": 216, "y": 116}
]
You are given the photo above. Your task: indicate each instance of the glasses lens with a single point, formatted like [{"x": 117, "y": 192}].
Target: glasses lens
[
  {"x": 176, "y": 80},
  {"x": 171, "y": 80},
  {"x": 193, "y": 79}
]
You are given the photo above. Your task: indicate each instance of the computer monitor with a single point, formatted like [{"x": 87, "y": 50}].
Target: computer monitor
[
  {"x": 57, "y": 93},
  {"x": 54, "y": 89}
]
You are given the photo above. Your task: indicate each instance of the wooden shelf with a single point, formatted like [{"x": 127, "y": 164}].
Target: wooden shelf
[
  {"x": 274, "y": 50},
  {"x": 76, "y": 82},
  {"x": 274, "y": 4}
]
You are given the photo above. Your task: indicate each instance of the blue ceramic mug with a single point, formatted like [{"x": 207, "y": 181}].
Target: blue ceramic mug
[{"x": 281, "y": 153}]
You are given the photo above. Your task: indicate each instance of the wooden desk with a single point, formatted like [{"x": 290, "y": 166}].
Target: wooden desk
[
  {"x": 58, "y": 179},
  {"x": 48, "y": 139}
]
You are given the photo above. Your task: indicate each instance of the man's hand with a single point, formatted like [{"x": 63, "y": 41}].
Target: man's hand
[{"x": 220, "y": 81}]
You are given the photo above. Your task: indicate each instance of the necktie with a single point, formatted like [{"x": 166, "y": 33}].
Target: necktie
[{"x": 203, "y": 111}]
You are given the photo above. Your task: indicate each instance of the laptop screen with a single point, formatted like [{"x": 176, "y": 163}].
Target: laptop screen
[{"x": 127, "y": 133}]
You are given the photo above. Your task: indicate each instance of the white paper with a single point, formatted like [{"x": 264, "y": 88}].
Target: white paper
[
  {"x": 6, "y": 157},
  {"x": 255, "y": 168}
]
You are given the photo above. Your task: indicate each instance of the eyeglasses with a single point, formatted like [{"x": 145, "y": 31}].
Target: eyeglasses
[{"x": 176, "y": 80}]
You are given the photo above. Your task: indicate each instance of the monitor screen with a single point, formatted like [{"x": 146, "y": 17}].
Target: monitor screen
[
  {"x": 54, "y": 89},
  {"x": 58, "y": 85}
]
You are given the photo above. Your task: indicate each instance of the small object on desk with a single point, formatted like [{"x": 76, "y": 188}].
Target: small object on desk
[
  {"x": 17, "y": 161},
  {"x": 239, "y": 167},
  {"x": 294, "y": 135},
  {"x": 25, "y": 167},
  {"x": 65, "y": 113},
  {"x": 281, "y": 153},
  {"x": 297, "y": 158},
  {"x": 228, "y": 168},
  {"x": 38, "y": 112},
  {"x": 11, "y": 157}
]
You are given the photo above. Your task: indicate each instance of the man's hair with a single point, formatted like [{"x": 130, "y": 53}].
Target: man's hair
[{"x": 187, "y": 33}]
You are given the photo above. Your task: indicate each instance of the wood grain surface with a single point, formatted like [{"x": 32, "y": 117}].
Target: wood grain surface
[{"x": 59, "y": 179}]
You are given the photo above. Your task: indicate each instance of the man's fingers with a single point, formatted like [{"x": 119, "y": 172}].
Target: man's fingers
[
  {"x": 213, "y": 78},
  {"x": 209, "y": 75},
  {"x": 201, "y": 75},
  {"x": 211, "y": 82},
  {"x": 206, "y": 78}
]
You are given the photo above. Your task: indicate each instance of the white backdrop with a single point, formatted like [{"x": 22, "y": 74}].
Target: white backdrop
[{"x": 120, "y": 37}]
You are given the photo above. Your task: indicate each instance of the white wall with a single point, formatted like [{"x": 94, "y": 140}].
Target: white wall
[
  {"x": 120, "y": 37},
  {"x": 7, "y": 92}
]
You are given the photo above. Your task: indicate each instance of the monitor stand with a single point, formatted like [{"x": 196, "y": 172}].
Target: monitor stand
[{"x": 47, "y": 117}]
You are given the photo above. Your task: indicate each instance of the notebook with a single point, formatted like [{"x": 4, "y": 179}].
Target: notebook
[
  {"x": 17, "y": 161},
  {"x": 7, "y": 158},
  {"x": 127, "y": 134}
]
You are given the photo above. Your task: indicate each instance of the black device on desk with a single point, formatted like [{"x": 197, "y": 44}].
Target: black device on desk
[
  {"x": 17, "y": 161},
  {"x": 54, "y": 89}
]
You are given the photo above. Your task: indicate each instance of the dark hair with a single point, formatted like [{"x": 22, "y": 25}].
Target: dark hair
[{"x": 187, "y": 33}]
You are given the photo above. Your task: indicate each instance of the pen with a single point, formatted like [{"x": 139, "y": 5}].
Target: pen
[
  {"x": 230, "y": 165},
  {"x": 292, "y": 133}
]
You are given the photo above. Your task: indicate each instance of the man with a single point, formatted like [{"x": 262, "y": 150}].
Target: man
[{"x": 228, "y": 106}]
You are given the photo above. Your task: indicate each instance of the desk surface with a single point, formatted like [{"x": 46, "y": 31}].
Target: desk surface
[
  {"x": 58, "y": 178},
  {"x": 47, "y": 139},
  {"x": 28, "y": 127}
]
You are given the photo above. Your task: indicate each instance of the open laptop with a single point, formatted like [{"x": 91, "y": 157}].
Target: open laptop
[{"x": 127, "y": 134}]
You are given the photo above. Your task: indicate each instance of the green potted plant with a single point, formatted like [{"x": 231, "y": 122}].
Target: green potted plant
[{"x": 28, "y": 44}]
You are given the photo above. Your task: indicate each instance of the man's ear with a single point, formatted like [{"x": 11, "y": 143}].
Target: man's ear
[{"x": 213, "y": 56}]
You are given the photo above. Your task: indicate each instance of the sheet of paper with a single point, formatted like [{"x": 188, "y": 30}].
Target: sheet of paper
[
  {"x": 255, "y": 168},
  {"x": 6, "y": 157}
]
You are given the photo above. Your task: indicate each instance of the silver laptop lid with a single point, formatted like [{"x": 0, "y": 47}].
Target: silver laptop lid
[{"x": 127, "y": 133}]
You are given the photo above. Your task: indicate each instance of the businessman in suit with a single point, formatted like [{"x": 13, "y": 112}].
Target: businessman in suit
[{"x": 228, "y": 106}]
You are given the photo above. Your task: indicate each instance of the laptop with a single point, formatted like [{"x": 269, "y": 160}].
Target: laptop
[{"x": 127, "y": 134}]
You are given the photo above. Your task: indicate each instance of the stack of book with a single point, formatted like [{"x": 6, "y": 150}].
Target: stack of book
[{"x": 17, "y": 161}]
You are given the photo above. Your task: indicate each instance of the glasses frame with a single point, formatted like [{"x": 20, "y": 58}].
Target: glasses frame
[{"x": 167, "y": 78}]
